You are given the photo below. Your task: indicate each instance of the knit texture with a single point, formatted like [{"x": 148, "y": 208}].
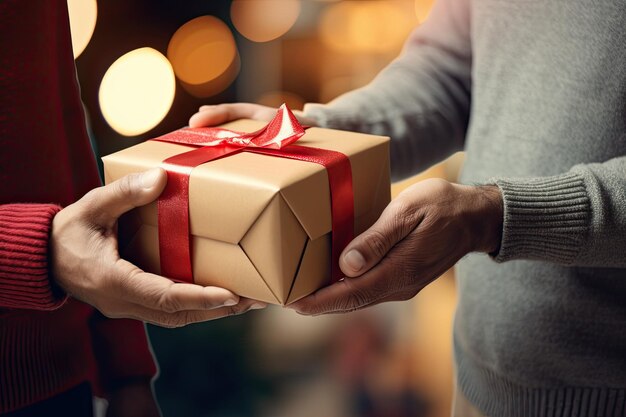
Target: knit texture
[
  {"x": 24, "y": 283},
  {"x": 544, "y": 217},
  {"x": 43, "y": 353},
  {"x": 47, "y": 345},
  {"x": 535, "y": 93},
  {"x": 513, "y": 399}
]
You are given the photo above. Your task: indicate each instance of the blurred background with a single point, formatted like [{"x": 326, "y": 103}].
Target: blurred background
[{"x": 144, "y": 67}]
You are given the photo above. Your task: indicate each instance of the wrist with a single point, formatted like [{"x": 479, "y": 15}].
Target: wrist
[
  {"x": 53, "y": 258},
  {"x": 484, "y": 213}
]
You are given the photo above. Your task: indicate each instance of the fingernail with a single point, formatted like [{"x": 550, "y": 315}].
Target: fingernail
[
  {"x": 354, "y": 260},
  {"x": 149, "y": 178},
  {"x": 257, "y": 306},
  {"x": 231, "y": 302}
]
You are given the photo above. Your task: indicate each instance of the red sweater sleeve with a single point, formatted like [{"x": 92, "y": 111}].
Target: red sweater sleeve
[
  {"x": 24, "y": 279},
  {"x": 46, "y": 157},
  {"x": 121, "y": 346}
]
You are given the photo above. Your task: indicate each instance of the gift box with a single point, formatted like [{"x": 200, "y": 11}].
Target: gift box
[{"x": 259, "y": 225}]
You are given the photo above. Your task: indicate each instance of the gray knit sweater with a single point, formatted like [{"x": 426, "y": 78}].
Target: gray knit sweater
[{"x": 535, "y": 92}]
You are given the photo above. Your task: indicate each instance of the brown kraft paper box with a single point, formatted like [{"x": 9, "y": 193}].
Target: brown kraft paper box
[{"x": 260, "y": 225}]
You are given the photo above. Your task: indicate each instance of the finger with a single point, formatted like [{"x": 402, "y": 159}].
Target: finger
[
  {"x": 106, "y": 204},
  {"x": 398, "y": 219},
  {"x": 337, "y": 298},
  {"x": 182, "y": 318},
  {"x": 222, "y": 113},
  {"x": 347, "y": 295},
  {"x": 159, "y": 293}
]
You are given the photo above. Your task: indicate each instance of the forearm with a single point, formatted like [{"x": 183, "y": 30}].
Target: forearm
[
  {"x": 421, "y": 100},
  {"x": 24, "y": 271},
  {"x": 577, "y": 218}
]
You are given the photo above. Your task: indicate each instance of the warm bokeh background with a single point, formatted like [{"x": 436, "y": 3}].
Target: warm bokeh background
[{"x": 144, "y": 67}]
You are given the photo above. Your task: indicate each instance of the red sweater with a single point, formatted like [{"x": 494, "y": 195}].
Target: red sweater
[{"x": 47, "y": 343}]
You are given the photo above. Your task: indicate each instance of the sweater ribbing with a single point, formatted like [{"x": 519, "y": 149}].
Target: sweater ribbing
[
  {"x": 544, "y": 216},
  {"x": 520, "y": 400},
  {"x": 24, "y": 281}
]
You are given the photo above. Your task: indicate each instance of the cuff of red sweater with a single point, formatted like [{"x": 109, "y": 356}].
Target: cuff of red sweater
[{"x": 24, "y": 271}]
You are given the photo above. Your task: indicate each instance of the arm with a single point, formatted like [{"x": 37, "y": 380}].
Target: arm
[
  {"x": 24, "y": 279},
  {"x": 577, "y": 218},
  {"x": 47, "y": 252},
  {"x": 421, "y": 234},
  {"x": 421, "y": 100}
]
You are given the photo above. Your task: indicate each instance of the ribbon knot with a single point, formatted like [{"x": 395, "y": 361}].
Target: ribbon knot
[{"x": 283, "y": 130}]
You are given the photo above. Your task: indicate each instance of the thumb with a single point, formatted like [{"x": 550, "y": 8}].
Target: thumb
[
  {"x": 367, "y": 249},
  {"x": 106, "y": 204}
]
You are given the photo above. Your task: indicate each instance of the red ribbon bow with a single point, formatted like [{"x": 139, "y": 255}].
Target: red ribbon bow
[{"x": 275, "y": 139}]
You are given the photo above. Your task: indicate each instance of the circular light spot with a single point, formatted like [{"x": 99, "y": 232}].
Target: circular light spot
[
  {"x": 264, "y": 20},
  {"x": 204, "y": 56},
  {"x": 423, "y": 8},
  {"x": 137, "y": 91},
  {"x": 83, "y": 16},
  {"x": 364, "y": 26}
]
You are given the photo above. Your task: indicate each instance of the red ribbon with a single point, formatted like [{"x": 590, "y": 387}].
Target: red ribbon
[{"x": 213, "y": 143}]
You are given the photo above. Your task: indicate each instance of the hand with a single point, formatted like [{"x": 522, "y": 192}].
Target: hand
[
  {"x": 86, "y": 264},
  {"x": 222, "y": 113},
  {"x": 133, "y": 400},
  {"x": 419, "y": 236}
]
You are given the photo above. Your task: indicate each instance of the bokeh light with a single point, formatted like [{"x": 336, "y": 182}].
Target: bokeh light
[
  {"x": 137, "y": 91},
  {"x": 264, "y": 20},
  {"x": 83, "y": 16},
  {"x": 204, "y": 56},
  {"x": 422, "y": 9},
  {"x": 365, "y": 26}
]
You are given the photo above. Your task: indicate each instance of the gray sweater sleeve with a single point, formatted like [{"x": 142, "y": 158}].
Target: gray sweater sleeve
[
  {"x": 577, "y": 218},
  {"x": 421, "y": 99}
]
